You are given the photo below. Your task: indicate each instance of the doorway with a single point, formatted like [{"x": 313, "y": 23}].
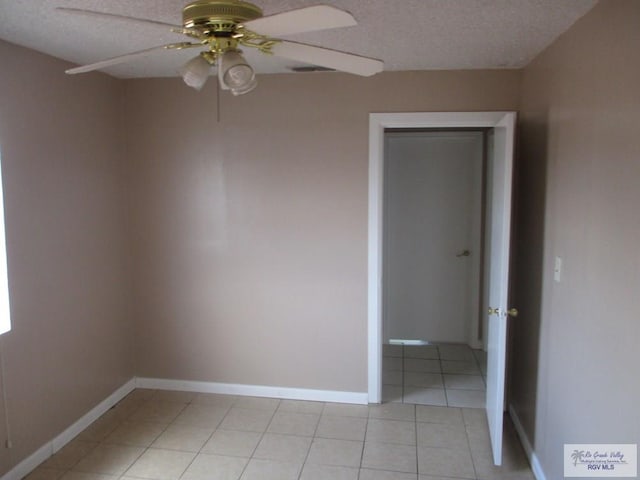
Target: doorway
[
  {"x": 497, "y": 246},
  {"x": 432, "y": 260}
]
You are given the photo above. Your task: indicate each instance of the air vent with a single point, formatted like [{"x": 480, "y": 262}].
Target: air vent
[{"x": 311, "y": 68}]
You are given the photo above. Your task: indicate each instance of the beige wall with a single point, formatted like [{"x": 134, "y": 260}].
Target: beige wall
[
  {"x": 575, "y": 376},
  {"x": 62, "y": 151},
  {"x": 251, "y": 233}
]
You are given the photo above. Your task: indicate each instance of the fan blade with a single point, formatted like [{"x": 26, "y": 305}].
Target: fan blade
[
  {"x": 309, "y": 19},
  {"x": 119, "y": 17},
  {"x": 129, "y": 56},
  {"x": 323, "y": 57}
]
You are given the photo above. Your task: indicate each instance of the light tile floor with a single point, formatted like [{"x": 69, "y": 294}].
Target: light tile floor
[
  {"x": 444, "y": 375},
  {"x": 166, "y": 435}
]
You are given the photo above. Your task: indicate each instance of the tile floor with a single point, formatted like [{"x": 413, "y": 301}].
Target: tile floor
[
  {"x": 445, "y": 375},
  {"x": 166, "y": 435}
]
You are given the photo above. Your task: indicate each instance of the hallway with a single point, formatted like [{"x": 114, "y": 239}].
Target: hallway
[{"x": 442, "y": 375}]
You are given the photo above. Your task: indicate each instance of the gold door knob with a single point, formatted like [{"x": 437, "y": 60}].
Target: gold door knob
[{"x": 512, "y": 312}]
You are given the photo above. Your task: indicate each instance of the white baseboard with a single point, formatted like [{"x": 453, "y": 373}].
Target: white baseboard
[
  {"x": 95, "y": 413},
  {"x": 254, "y": 390},
  {"x": 30, "y": 463},
  {"x": 536, "y": 467}
]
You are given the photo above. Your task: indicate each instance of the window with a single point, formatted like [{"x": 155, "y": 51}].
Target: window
[{"x": 5, "y": 312}]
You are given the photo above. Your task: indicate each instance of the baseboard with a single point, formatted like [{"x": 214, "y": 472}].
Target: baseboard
[
  {"x": 95, "y": 413},
  {"x": 30, "y": 463},
  {"x": 534, "y": 461},
  {"x": 254, "y": 390}
]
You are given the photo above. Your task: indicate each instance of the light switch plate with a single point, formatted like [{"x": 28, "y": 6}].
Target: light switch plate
[{"x": 557, "y": 270}]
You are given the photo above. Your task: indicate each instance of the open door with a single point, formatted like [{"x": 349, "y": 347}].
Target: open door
[
  {"x": 501, "y": 164},
  {"x": 499, "y": 188}
]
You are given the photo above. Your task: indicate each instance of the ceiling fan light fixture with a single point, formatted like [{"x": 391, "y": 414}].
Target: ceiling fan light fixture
[
  {"x": 221, "y": 26},
  {"x": 246, "y": 88},
  {"x": 195, "y": 72},
  {"x": 235, "y": 74}
]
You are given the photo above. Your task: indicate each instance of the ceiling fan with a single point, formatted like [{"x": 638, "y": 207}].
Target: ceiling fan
[{"x": 220, "y": 27}]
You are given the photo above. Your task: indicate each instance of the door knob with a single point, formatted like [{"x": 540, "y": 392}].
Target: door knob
[{"x": 512, "y": 312}]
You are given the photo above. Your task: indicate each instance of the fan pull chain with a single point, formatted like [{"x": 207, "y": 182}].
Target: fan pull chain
[
  {"x": 5, "y": 406},
  {"x": 218, "y": 100}
]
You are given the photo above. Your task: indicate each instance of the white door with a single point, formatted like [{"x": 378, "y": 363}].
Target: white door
[
  {"x": 432, "y": 225},
  {"x": 500, "y": 178}
]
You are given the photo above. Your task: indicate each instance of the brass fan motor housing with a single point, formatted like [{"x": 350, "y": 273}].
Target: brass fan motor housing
[{"x": 218, "y": 16}]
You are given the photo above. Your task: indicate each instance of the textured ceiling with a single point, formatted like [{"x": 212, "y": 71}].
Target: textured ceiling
[{"x": 405, "y": 34}]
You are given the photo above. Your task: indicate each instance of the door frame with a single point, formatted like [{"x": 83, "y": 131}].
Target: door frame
[{"x": 378, "y": 122}]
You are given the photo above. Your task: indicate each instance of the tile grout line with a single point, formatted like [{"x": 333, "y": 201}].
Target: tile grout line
[
  {"x": 415, "y": 423},
  {"x": 164, "y": 430},
  {"x": 364, "y": 441},
  {"x": 199, "y": 452},
  {"x": 313, "y": 437},
  {"x": 261, "y": 437},
  {"x": 444, "y": 385},
  {"x": 147, "y": 447},
  {"x": 466, "y": 433}
]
